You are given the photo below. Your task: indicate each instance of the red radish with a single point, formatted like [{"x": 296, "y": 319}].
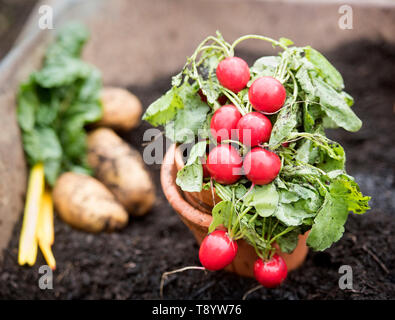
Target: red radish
[
  {"x": 233, "y": 73},
  {"x": 270, "y": 273},
  {"x": 217, "y": 250},
  {"x": 202, "y": 95},
  {"x": 206, "y": 174},
  {"x": 285, "y": 144},
  {"x": 254, "y": 128},
  {"x": 261, "y": 166},
  {"x": 224, "y": 122},
  {"x": 224, "y": 164},
  {"x": 267, "y": 94},
  {"x": 221, "y": 99}
]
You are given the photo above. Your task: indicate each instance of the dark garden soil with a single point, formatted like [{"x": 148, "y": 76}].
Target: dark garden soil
[{"x": 128, "y": 264}]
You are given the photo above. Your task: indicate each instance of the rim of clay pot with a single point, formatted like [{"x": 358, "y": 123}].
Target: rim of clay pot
[
  {"x": 179, "y": 161},
  {"x": 173, "y": 192}
]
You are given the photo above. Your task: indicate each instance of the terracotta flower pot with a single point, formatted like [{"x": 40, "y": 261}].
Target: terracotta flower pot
[{"x": 199, "y": 221}]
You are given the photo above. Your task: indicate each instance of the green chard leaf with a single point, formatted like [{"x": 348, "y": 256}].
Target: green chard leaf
[
  {"x": 62, "y": 72},
  {"x": 27, "y": 104},
  {"x": 69, "y": 42},
  {"x": 57, "y": 102}
]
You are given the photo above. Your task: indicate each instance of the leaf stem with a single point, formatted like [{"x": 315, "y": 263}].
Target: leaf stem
[
  {"x": 258, "y": 37},
  {"x": 282, "y": 233}
]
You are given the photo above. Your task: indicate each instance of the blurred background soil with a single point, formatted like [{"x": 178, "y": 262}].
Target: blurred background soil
[{"x": 129, "y": 264}]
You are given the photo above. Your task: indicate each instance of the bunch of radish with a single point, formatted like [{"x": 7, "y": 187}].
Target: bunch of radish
[
  {"x": 226, "y": 166},
  {"x": 265, "y": 120}
]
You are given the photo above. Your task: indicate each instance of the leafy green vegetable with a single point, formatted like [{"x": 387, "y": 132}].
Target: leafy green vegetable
[{"x": 55, "y": 104}]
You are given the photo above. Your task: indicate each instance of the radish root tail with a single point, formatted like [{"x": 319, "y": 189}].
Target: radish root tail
[
  {"x": 251, "y": 291},
  {"x": 168, "y": 273}
]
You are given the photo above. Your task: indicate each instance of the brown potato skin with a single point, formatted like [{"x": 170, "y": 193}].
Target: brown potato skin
[
  {"x": 121, "y": 109},
  {"x": 122, "y": 170},
  {"x": 85, "y": 203}
]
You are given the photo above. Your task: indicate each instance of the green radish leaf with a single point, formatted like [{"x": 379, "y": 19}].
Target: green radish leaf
[
  {"x": 264, "y": 199},
  {"x": 221, "y": 213},
  {"x": 188, "y": 121},
  {"x": 250, "y": 233},
  {"x": 328, "y": 227},
  {"x": 329, "y": 162},
  {"x": 164, "y": 109},
  {"x": 303, "y": 77},
  {"x": 324, "y": 68},
  {"x": 289, "y": 241},
  {"x": 190, "y": 178},
  {"x": 265, "y": 66},
  {"x": 198, "y": 150},
  {"x": 308, "y": 118},
  {"x": 356, "y": 201},
  {"x": 349, "y": 100},
  {"x": 285, "y": 123},
  {"x": 291, "y": 215},
  {"x": 240, "y": 191},
  {"x": 285, "y": 41},
  {"x": 336, "y": 107}
]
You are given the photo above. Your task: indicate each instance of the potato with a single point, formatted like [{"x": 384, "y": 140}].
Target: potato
[
  {"x": 121, "y": 109},
  {"x": 121, "y": 169},
  {"x": 85, "y": 203}
]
